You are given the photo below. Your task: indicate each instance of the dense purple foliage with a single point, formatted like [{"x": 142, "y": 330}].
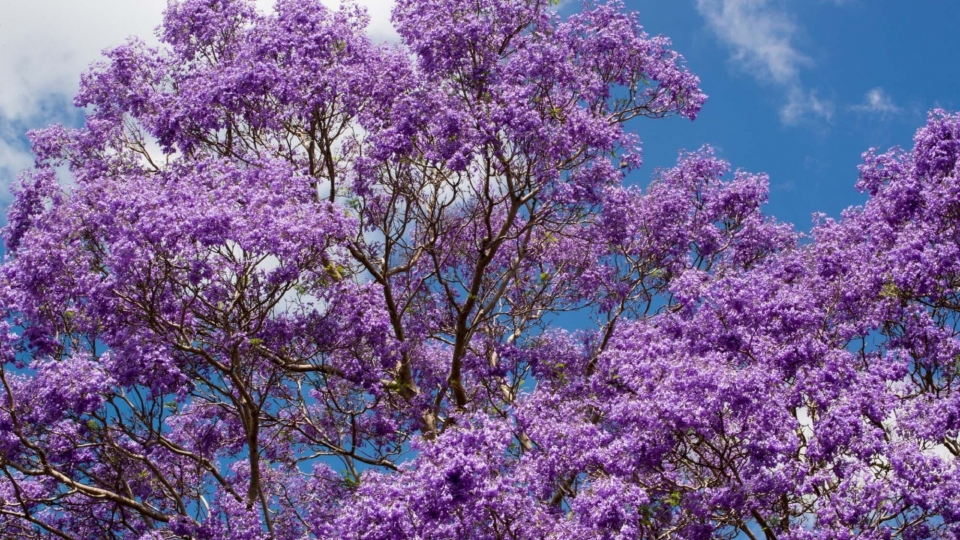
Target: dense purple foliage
[{"x": 301, "y": 285}]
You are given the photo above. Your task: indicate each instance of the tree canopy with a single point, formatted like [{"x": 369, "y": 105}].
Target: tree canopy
[{"x": 302, "y": 285}]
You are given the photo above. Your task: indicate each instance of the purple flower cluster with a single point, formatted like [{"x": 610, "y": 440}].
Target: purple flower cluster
[{"x": 304, "y": 286}]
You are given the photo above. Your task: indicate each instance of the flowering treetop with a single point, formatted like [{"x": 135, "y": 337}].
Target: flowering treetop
[{"x": 303, "y": 285}]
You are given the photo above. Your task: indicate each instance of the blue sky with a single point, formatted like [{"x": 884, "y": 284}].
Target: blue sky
[{"x": 798, "y": 88}]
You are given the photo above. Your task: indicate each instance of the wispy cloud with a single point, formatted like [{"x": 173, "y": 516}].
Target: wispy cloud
[
  {"x": 762, "y": 40},
  {"x": 877, "y": 101},
  {"x": 803, "y": 104},
  {"x": 760, "y": 37}
]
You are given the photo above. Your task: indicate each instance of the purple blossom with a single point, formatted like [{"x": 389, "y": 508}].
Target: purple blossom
[{"x": 305, "y": 286}]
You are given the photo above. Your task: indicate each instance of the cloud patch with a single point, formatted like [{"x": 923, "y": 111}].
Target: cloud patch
[
  {"x": 46, "y": 44},
  {"x": 877, "y": 101},
  {"x": 762, "y": 40},
  {"x": 802, "y": 104}
]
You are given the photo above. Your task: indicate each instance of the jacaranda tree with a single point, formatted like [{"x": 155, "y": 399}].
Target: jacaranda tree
[{"x": 286, "y": 283}]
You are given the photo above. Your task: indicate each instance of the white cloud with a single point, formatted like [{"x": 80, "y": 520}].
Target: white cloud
[
  {"x": 759, "y": 35},
  {"x": 46, "y": 44},
  {"x": 877, "y": 101},
  {"x": 761, "y": 38},
  {"x": 802, "y": 104}
]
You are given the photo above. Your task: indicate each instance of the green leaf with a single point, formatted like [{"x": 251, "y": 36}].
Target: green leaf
[{"x": 890, "y": 290}]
